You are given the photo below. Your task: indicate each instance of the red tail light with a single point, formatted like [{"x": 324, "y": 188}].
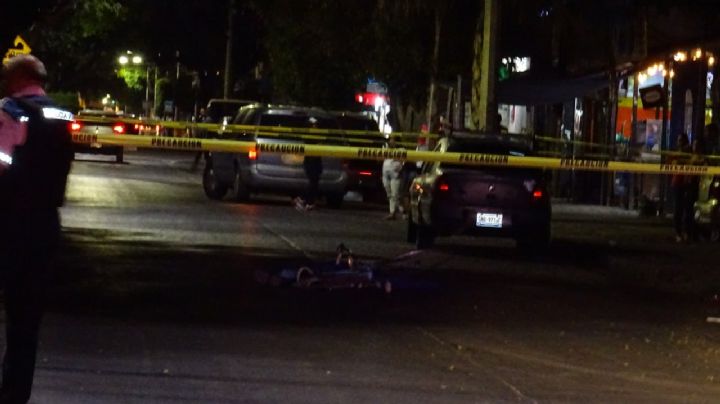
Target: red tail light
[
  {"x": 75, "y": 126},
  {"x": 119, "y": 128},
  {"x": 252, "y": 154},
  {"x": 444, "y": 187},
  {"x": 537, "y": 194},
  {"x": 366, "y": 173}
]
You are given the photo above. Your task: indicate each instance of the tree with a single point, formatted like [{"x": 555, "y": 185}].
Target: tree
[{"x": 77, "y": 36}]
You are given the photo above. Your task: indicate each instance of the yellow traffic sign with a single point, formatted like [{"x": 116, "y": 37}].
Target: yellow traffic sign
[{"x": 21, "y": 48}]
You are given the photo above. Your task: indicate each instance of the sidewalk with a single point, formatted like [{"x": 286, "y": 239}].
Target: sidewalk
[{"x": 567, "y": 208}]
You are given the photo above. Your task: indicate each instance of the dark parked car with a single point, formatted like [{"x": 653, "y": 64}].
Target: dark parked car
[
  {"x": 84, "y": 124},
  {"x": 253, "y": 172},
  {"x": 707, "y": 207},
  {"x": 364, "y": 176},
  {"x": 450, "y": 199}
]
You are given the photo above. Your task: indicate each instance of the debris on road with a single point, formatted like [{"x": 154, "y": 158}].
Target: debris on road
[{"x": 345, "y": 272}]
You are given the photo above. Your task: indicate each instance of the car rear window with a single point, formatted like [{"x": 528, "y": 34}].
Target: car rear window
[{"x": 494, "y": 148}]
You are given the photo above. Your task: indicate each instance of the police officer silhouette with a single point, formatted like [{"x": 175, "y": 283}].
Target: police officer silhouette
[{"x": 35, "y": 156}]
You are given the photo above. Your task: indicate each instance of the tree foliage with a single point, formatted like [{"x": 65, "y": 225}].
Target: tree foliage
[
  {"x": 133, "y": 76},
  {"x": 76, "y": 39}
]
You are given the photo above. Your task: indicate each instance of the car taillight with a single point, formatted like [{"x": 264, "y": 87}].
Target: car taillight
[
  {"x": 75, "y": 126},
  {"x": 537, "y": 194},
  {"x": 119, "y": 128},
  {"x": 444, "y": 187},
  {"x": 252, "y": 154},
  {"x": 366, "y": 173}
]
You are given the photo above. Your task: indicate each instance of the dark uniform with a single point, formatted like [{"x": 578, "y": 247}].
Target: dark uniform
[
  {"x": 313, "y": 170},
  {"x": 31, "y": 190}
]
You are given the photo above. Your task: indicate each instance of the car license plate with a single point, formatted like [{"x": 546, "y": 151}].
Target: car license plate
[
  {"x": 291, "y": 159},
  {"x": 489, "y": 220}
]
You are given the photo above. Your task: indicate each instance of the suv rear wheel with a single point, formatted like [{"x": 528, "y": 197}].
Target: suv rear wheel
[{"x": 212, "y": 187}]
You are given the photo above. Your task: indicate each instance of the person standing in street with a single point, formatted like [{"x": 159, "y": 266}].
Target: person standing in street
[
  {"x": 199, "y": 133},
  {"x": 313, "y": 170},
  {"x": 36, "y": 152},
  {"x": 392, "y": 180},
  {"x": 697, "y": 149},
  {"x": 313, "y": 167},
  {"x": 681, "y": 193}
]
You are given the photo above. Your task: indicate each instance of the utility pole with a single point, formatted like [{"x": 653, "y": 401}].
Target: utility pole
[
  {"x": 434, "y": 68},
  {"x": 484, "y": 78},
  {"x": 229, "y": 49}
]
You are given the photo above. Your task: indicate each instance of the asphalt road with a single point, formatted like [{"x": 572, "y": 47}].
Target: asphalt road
[{"x": 155, "y": 301}]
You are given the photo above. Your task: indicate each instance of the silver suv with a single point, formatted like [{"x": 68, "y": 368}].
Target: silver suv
[{"x": 247, "y": 173}]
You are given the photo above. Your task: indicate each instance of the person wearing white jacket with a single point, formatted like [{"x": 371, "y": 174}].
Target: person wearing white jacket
[{"x": 392, "y": 181}]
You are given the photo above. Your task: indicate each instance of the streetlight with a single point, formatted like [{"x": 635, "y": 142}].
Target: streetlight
[{"x": 137, "y": 60}]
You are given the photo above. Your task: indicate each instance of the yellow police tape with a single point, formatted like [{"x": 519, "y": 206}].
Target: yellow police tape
[
  {"x": 373, "y": 153},
  {"x": 357, "y": 135}
]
